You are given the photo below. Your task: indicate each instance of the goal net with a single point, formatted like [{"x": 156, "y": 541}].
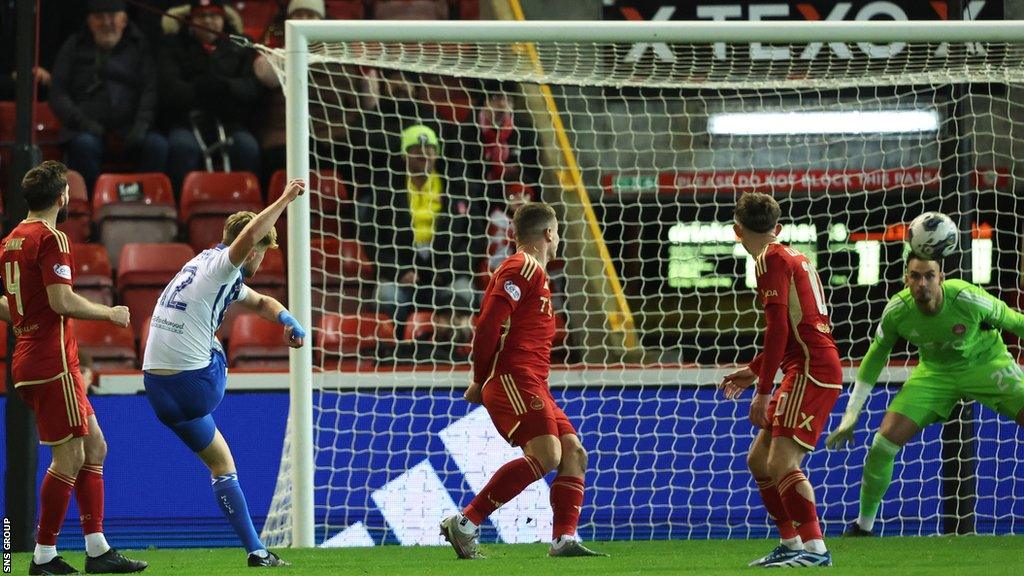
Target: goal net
[{"x": 642, "y": 141}]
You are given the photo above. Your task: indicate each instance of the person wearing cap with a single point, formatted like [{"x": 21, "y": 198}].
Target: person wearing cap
[
  {"x": 271, "y": 129},
  {"x": 424, "y": 230},
  {"x": 296, "y": 10},
  {"x": 105, "y": 94},
  {"x": 504, "y": 143},
  {"x": 201, "y": 69}
]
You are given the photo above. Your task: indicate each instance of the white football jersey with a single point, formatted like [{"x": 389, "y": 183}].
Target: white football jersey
[{"x": 190, "y": 310}]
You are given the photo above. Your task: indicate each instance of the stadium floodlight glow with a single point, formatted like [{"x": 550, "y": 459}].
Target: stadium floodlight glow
[{"x": 845, "y": 122}]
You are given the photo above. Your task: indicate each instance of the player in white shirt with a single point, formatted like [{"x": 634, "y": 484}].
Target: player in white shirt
[{"x": 184, "y": 369}]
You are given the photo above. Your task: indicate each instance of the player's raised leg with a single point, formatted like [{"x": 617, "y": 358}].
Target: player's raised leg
[
  {"x": 100, "y": 558},
  {"x": 896, "y": 430},
  {"x": 798, "y": 498},
  {"x": 790, "y": 543},
  {"x": 229, "y": 496},
  {"x": 567, "y": 492},
  {"x": 540, "y": 456}
]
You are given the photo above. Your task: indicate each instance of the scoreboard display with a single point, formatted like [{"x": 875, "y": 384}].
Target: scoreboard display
[{"x": 707, "y": 255}]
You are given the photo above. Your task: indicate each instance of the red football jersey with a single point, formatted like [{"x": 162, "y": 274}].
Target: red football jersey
[
  {"x": 33, "y": 257},
  {"x": 785, "y": 276},
  {"x": 525, "y": 345}
]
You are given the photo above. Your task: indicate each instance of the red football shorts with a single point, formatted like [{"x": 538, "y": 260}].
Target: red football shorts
[
  {"x": 800, "y": 409},
  {"x": 522, "y": 409},
  {"x": 61, "y": 407}
]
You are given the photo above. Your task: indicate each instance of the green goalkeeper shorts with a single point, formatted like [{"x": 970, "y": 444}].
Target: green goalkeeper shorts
[{"x": 929, "y": 395}]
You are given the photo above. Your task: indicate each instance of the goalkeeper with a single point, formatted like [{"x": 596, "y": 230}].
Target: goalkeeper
[{"x": 957, "y": 327}]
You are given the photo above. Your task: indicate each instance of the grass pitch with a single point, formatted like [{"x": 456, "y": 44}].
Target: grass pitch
[{"x": 989, "y": 555}]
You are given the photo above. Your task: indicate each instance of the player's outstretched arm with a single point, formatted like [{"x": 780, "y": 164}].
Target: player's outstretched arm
[
  {"x": 867, "y": 375},
  {"x": 260, "y": 226},
  {"x": 270, "y": 309},
  {"x": 65, "y": 302}
]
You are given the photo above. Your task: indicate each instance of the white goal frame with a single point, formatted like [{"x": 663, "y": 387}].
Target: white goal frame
[{"x": 299, "y": 35}]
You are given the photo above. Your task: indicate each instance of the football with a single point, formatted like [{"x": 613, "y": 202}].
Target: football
[{"x": 932, "y": 235}]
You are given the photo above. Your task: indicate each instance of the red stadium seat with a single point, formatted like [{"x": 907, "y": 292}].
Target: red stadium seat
[
  {"x": 79, "y": 213},
  {"x": 347, "y": 335},
  {"x": 345, "y": 9},
  {"x": 144, "y": 271},
  {"x": 271, "y": 279},
  {"x": 335, "y": 262},
  {"x": 256, "y": 15},
  {"x": 410, "y": 10},
  {"x": 328, "y": 203},
  {"x": 126, "y": 207},
  {"x": 109, "y": 346},
  {"x": 143, "y": 337},
  {"x": 469, "y": 9},
  {"x": 92, "y": 273},
  {"x": 208, "y": 198},
  {"x": 257, "y": 343},
  {"x": 419, "y": 326}
]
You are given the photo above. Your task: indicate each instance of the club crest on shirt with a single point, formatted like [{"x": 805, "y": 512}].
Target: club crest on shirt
[
  {"x": 512, "y": 290},
  {"x": 959, "y": 329},
  {"x": 62, "y": 270},
  {"x": 536, "y": 403}
]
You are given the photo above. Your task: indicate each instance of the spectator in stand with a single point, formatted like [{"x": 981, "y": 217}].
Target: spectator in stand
[
  {"x": 297, "y": 10},
  {"x": 105, "y": 94},
  {"x": 334, "y": 102},
  {"x": 500, "y": 236},
  {"x": 508, "y": 144},
  {"x": 424, "y": 231},
  {"x": 203, "y": 71}
]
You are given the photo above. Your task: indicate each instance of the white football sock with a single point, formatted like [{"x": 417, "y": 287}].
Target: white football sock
[
  {"x": 816, "y": 546},
  {"x": 866, "y": 524},
  {"x": 96, "y": 544},
  {"x": 44, "y": 554},
  {"x": 562, "y": 540},
  {"x": 465, "y": 525},
  {"x": 792, "y": 543}
]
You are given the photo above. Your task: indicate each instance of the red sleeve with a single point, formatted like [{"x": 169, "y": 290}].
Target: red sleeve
[
  {"x": 495, "y": 312},
  {"x": 775, "y": 336},
  {"x": 510, "y": 286},
  {"x": 755, "y": 364},
  {"x": 773, "y": 291},
  {"x": 55, "y": 260}
]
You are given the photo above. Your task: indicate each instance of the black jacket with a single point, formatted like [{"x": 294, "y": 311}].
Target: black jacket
[
  {"x": 385, "y": 229},
  {"x": 118, "y": 88},
  {"x": 220, "y": 82}
]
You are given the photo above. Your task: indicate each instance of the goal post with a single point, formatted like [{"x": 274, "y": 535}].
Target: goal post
[{"x": 703, "y": 283}]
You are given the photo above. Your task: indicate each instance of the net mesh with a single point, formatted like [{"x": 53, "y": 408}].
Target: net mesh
[{"x": 653, "y": 295}]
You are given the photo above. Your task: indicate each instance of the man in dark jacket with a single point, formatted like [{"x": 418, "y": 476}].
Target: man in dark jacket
[
  {"x": 425, "y": 232},
  {"x": 201, "y": 70},
  {"x": 105, "y": 94}
]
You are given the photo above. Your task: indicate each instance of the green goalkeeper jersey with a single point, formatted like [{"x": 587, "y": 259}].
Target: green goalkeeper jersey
[{"x": 965, "y": 332}]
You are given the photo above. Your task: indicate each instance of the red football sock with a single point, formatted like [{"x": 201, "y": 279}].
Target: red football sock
[
  {"x": 801, "y": 510},
  {"x": 89, "y": 493},
  {"x": 566, "y": 502},
  {"x": 506, "y": 484},
  {"x": 776, "y": 511},
  {"x": 54, "y": 497}
]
